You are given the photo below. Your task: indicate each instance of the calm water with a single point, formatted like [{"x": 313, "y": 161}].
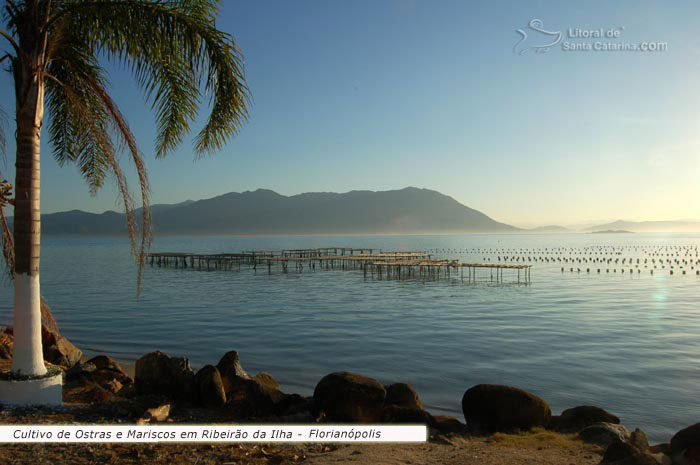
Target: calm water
[{"x": 628, "y": 343}]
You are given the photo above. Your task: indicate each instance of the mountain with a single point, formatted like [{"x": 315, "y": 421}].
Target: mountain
[
  {"x": 612, "y": 231},
  {"x": 551, "y": 228},
  {"x": 406, "y": 211},
  {"x": 649, "y": 226}
]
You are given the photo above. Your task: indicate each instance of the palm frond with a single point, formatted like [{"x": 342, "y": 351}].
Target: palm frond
[
  {"x": 176, "y": 55},
  {"x": 173, "y": 48},
  {"x": 83, "y": 120}
]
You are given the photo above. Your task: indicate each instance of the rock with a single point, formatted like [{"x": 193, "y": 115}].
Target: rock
[
  {"x": 80, "y": 371},
  {"x": 575, "y": 419},
  {"x": 266, "y": 378},
  {"x": 112, "y": 385},
  {"x": 447, "y": 424},
  {"x": 158, "y": 414},
  {"x": 490, "y": 408},
  {"x": 128, "y": 391},
  {"x": 60, "y": 351},
  {"x": 622, "y": 453},
  {"x": 255, "y": 398},
  {"x": 402, "y": 395},
  {"x": 157, "y": 373},
  {"x": 685, "y": 446},
  {"x": 103, "y": 361},
  {"x": 301, "y": 417},
  {"x": 6, "y": 346},
  {"x": 48, "y": 323},
  {"x": 663, "y": 448},
  {"x": 152, "y": 373},
  {"x": 618, "y": 450},
  {"x": 604, "y": 434},
  {"x": 293, "y": 404},
  {"x": 86, "y": 393},
  {"x": 691, "y": 456},
  {"x": 210, "y": 387},
  {"x": 110, "y": 379},
  {"x": 183, "y": 375},
  {"x": 398, "y": 414},
  {"x": 349, "y": 397},
  {"x": 638, "y": 438},
  {"x": 231, "y": 370}
]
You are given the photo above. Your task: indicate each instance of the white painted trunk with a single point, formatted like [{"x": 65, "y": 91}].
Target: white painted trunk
[{"x": 27, "y": 357}]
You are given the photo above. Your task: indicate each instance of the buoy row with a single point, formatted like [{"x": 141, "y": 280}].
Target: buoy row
[
  {"x": 625, "y": 259},
  {"x": 622, "y": 270}
]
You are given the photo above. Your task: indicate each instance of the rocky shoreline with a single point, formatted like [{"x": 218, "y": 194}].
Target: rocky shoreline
[{"x": 167, "y": 389}]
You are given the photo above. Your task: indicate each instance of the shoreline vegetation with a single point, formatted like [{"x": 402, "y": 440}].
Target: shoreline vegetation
[{"x": 502, "y": 424}]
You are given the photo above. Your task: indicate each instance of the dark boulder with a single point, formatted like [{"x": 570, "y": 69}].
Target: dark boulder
[
  {"x": 157, "y": 373},
  {"x": 618, "y": 450},
  {"x": 104, "y": 361},
  {"x": 490, "y": 408},
  {"x": 293, "y": 404},
  {"x": 86, "y": 393},
  {"x": 110, "y": 379},
  {"x": 575, "y": 419},
  {"x": 48, "y": 323},
  {"x": 231, "y": 370},
  {"x": 685, "y": 445},
  {"x": 622, "y": 453},
  {"x": 6, "y": 346},
  {"x": 402, "y": 395},
  {"x": 60, "y": 351},
  {"x": 152, "y": 373},
  {"x": 210, "y": 388},
  {"x": 447, "y": 424},
  {"x": 638, "y": 438},
  {"x": 349, "y": 397},
  {"x": 398, "y": 414},
  {"x": 80, "y": 371},
  {"x": 266, "y": 378},
  {"x": 183, "y": 376},
  {"x": 604, "y": 434},
  {"x": 255, "y": 398}
]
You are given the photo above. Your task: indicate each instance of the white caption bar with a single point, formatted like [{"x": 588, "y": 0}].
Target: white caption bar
[{"x": 212, "y": 433}]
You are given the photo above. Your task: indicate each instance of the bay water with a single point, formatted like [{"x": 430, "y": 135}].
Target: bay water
[{"x": 629, "y": 343}]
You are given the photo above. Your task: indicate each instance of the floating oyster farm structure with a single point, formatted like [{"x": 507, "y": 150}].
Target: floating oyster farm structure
[{"x": 373, "y": 263}]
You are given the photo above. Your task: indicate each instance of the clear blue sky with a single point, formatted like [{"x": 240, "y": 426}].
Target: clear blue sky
[{"x": 384, "y": 94}]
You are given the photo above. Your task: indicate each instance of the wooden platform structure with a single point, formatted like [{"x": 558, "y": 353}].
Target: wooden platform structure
[
  {"x": 374, "y": 264},
  {"x": 437, "y": 268}
]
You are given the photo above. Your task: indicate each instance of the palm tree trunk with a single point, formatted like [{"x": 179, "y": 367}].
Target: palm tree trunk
[{"x": 28, "y": 355}]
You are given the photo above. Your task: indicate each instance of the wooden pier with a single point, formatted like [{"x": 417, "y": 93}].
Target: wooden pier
[
  {"x": 374, "y": 264},
  {"x": 436, "y": 268}
]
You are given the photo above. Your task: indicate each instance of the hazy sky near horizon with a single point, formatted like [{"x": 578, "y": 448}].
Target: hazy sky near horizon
[{"x": 383, "y": 94}]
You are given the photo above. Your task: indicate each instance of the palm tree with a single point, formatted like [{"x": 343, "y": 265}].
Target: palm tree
[{"x": 53, "y": 52}]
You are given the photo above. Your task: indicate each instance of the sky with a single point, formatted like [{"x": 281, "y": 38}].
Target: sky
[{"x": 384, "y": 94}]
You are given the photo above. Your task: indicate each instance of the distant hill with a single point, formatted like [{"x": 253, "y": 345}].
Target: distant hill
[
  {"x": 612, "y": 231},
  {"x": 552, "y": 228},
  {"x": 649, "y": 226},
  {"x": 406, "y": 211}
]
